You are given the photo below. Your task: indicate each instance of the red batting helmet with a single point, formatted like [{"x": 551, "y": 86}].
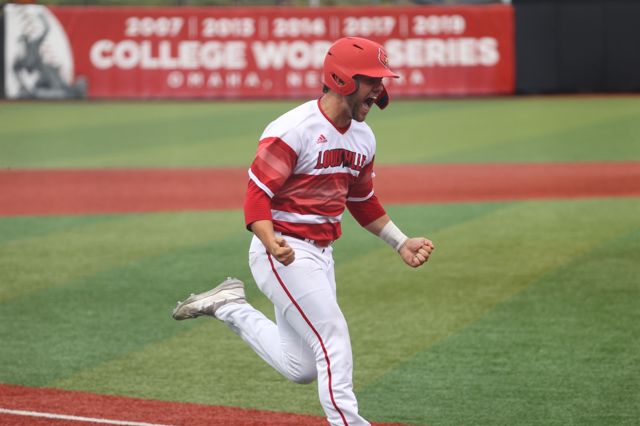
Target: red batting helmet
[{"x": 351, "y": 56}]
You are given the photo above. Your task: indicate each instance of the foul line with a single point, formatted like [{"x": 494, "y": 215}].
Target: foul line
[{"x": 76, "y": 418}]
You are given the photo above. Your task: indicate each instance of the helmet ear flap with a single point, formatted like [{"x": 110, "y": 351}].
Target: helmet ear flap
[{"x": 383, "y": 98}]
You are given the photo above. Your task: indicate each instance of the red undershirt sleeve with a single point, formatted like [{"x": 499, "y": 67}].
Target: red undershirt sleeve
[
  {"x": 257, "y": 205},
  {"x": 362, "y": 203},
  {"x": 365, "y": 212}
]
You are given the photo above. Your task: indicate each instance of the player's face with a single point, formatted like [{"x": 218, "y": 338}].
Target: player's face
[{"x": 361, "y": 101}]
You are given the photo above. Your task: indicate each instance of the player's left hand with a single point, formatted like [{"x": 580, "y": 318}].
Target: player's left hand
[{"x": 416, "y": 251}]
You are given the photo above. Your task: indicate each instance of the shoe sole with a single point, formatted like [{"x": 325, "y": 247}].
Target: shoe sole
[{"x": 228, "y": 285}]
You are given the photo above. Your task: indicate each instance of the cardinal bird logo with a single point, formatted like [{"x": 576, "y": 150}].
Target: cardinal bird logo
[{"x": 382, "y": 57}]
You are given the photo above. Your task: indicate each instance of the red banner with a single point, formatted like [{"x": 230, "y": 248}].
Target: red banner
[{"x": 255, "y": 52}]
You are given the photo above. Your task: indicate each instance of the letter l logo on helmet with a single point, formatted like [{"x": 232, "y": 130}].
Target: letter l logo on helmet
[{"x": 382, "y": 57}]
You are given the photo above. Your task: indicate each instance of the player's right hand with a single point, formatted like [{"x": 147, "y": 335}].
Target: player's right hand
[{"x": 282, "y": 251}]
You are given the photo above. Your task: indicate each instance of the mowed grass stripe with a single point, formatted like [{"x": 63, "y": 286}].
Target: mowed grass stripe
[
  {"x": 605, "y": 139},
  {"x": 59, "y": 116},
  {"x": 486, "y": 254},
  {"x": 59, "y": 331},
  {"x": 501, "y": 129},
  {"x": 209, "y": 151},
  {"x": 209, "y": 364},
  {"x": 49, "y": 118},
  {"x": 563, "y": 351},
  {"x": 16, "y": 228},
  {"x": 134, "y": 134},
  {"x": 68, "y": 254},
  {"x": 132, "y": 145},
  {"x": 214, "y": 134},
  {"x": 216, "y": 367},
  {"x": 477, "y": 264}
]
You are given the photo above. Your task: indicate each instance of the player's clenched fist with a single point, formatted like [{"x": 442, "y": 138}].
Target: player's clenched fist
[
  {"x": 282, "y": 251},
  {"x": 416, "y": 251}
]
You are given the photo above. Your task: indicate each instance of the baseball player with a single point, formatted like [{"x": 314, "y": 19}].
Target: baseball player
[{"x": 311, "y": 163}]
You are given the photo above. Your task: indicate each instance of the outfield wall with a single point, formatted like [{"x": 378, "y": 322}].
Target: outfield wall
[
  {"x": 569, "y": 46},
  {"x": 534, "y": 46},
  {"x": 249, "y": 52}
]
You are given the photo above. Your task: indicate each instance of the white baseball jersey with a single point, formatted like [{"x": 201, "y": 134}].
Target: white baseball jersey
[{"x": 311, "y": 169}]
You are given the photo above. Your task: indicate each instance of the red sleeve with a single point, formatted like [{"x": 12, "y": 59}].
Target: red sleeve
[
  {"x": 361, "y": 201},
  {"x": 257, "y": 204},
  {"x": 366, "y": 211}
]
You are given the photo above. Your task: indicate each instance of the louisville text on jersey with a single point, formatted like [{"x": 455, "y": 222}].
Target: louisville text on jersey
[{"x": 340, "y": 157}]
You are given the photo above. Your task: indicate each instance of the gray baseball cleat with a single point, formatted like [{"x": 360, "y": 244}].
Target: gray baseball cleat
[{"x": 230, "y": 290}]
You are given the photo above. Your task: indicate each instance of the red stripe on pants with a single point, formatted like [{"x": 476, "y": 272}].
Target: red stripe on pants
[{"x": 326, "y": 355}]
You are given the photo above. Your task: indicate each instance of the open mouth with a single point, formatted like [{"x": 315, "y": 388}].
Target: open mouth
[{"x": 369, "y": 101}]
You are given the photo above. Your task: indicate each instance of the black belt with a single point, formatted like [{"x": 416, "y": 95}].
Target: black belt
[{"x": 321, "y": 243}]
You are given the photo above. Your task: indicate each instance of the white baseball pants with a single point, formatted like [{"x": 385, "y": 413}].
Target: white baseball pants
[{"x": 310, "y": 339}]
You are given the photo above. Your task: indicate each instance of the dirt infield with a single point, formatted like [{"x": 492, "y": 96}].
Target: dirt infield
[
  {"x": 20, "y": 405},
  {"x": 46, "y": 192}
]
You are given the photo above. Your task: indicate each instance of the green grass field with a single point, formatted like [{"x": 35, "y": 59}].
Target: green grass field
[
  {"x": 212, "y": 134},
  {"x": 526, "y": 315}
]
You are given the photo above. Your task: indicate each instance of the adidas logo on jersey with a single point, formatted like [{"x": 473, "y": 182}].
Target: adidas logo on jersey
[{"x": 322, "y": 139}]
